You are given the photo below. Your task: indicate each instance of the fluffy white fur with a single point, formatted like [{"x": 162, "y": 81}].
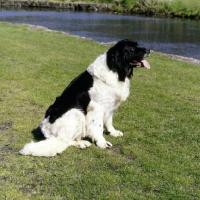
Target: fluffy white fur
[{"x": 106, "y": 94}]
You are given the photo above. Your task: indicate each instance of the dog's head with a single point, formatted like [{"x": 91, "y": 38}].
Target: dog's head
[{"x": 126, "y": 55}]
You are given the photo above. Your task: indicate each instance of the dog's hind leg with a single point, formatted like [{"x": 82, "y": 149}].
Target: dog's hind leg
[
  {"x": 82, "y": 144},
  {"x": 66, "y": 131}
]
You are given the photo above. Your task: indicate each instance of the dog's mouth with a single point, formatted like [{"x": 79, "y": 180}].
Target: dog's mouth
[{"x": 142, "y": 63}]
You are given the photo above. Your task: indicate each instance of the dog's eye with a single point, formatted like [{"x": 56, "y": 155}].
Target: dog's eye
[{"x": 132, "y": 49}]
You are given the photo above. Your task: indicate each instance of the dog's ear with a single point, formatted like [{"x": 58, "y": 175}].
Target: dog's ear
[{"x": 116, "y": 62}]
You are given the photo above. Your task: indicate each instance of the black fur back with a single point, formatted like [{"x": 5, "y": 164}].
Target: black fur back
[{"x": 74, "y": 96}]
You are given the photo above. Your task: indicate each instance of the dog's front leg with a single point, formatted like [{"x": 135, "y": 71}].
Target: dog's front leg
[
  {"x": 109, "y": 125},
  {"x": 94, "y": 125}
]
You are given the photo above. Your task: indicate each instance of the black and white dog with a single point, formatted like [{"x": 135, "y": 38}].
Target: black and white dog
[{"x": 87, "y": 105}]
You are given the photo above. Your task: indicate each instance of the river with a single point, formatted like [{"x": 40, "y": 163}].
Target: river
[{"x": 173, "y": 36}]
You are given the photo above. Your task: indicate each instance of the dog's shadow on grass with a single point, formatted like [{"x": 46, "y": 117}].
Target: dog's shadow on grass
[{"x": 37, "y": 134}]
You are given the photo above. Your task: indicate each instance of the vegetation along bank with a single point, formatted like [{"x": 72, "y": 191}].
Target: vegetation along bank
[{"x": 169, "y": 8}]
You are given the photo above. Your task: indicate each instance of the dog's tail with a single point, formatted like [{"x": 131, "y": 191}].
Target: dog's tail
[{"x": 48, "y": 147}]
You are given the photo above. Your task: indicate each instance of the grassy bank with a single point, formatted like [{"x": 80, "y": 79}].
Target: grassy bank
[
  {"x": 177, "y": 8},
  {"x": 158, "y": 156},
  {"x": 174, "y": 8}
]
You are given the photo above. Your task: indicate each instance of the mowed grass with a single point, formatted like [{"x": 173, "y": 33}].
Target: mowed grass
[{"x": 157, "y": 158}]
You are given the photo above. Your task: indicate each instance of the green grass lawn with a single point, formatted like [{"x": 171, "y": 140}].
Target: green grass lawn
[{"x": 157, "y": 158}]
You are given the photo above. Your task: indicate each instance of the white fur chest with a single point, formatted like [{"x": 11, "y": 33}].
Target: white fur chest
[{"x": 107, "y": 90}]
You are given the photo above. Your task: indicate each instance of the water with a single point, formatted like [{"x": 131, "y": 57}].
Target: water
[{"x": 174, "y": 36}]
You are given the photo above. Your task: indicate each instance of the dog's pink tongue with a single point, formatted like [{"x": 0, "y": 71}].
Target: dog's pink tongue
[{"x": 145, "y": 64}]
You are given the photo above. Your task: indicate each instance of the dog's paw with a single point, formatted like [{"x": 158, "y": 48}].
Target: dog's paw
[
  {"x": 116, "y": 133},
  {"x": 103, "y": 144},
  {"x": 82, "y": 144}
]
